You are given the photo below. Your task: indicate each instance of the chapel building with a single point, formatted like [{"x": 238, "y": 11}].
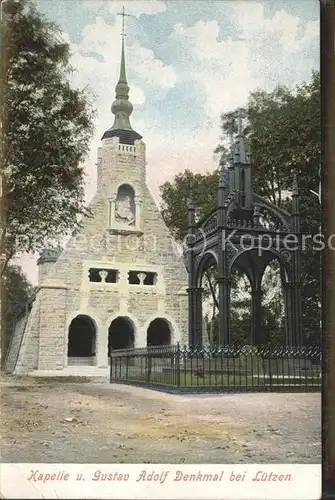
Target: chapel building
[{"x": 120, "y": 281}]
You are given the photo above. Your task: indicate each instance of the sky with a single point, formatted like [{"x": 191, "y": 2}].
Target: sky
[{"x": 187, "y": 62}]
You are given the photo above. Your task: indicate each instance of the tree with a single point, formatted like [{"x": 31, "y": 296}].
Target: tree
[
  {"x": 273, "y": 304},
  {"x": 17, "y": 291},
  {"x": 174, "y": 197},
  {"x": 47, "y": 126},
  {"x": 283, "y": 133},
  {"x": 284, "y": 136}
]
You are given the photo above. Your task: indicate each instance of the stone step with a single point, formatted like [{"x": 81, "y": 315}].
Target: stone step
[{"x": 89, "y": 361}]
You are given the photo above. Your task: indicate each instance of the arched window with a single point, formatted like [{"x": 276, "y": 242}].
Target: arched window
[{"x": 125, "y": 210}]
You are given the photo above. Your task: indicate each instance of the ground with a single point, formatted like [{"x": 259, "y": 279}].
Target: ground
[{"x": 47, "y": 420}]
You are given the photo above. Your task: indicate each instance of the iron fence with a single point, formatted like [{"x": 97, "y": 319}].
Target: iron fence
[{"x": 223, "y": 368}]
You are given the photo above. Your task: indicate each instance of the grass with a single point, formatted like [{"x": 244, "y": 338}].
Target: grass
[
  {"x": 189, "y": 379},
  {"x": 62, "y": 379}
]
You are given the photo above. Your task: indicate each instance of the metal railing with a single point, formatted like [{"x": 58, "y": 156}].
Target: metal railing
[{"x": 224, "y": 368}]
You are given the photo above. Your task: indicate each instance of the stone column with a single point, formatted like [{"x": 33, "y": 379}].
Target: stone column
[
  {"x": 46, "y": 261},
  {"x": 52, "y": 333},
  {"x": 101, "y": 346},
  {"x": 102, "y": 350}
]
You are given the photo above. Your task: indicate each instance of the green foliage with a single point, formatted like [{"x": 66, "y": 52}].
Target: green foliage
[
  {"x": 174, "y": 197},
  {"x": 16, "y": 291},
  {"x": 283, "y": 134},
  {"x": 240, "y": 299},
  {"x": 273, "y": 305},
  {"x": 46, "y": 133}
]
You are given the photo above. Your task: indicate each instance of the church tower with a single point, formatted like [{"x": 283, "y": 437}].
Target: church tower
[
  {"x": 120, "y": 282},
  {"x": 123, "y": 149}
]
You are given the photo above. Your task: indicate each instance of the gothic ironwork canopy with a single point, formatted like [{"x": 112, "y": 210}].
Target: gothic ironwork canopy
[{"x": 248, "y": 232}]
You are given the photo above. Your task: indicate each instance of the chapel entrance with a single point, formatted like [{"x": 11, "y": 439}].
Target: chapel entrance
[
  {"x": 120, "y": 334},
  {"x": 81, "y": 341},
  {"x": 159, "y": 332}
]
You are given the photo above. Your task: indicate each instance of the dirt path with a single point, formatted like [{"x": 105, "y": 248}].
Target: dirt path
[{"x": 95, "y": 422}]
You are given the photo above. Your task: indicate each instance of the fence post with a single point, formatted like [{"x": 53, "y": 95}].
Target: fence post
[
  {"x": 270, "y": 369},
  {"x": 110, "y": 372},
  {"x": 178, "y": 364},
  {"x": 148, "y": 364}
]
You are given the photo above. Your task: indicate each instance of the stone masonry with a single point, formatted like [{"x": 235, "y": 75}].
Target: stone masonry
[
  {"x": 66, "y": 292},
  {"x": 126, "y": 239}
]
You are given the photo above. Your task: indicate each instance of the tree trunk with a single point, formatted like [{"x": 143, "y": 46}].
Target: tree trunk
[{"x": 215, "y": 301}]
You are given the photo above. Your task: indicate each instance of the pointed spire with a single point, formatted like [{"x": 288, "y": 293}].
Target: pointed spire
[
  {"x": 256, "y": 215},
  {"x": 222, "y": 192},
  {"x": 122, "y": 108},
  {"x": 231, "y": 152},
  {"x": 240, "y": 150},
  {"x": 231, "y": 155},
  {"x": 241, "y": 114},
  {"x": 231, "y": 166},
  {"x": 191, "y": 207},
  {"x": 295, "y": 203},
  {"x": 191, "y": 197},
  {"x": 224, "y": 177},
  {"x": 122, "y": 78},
  {"x": 123, "y": 64},
  {"x": 295, "y": 187}
]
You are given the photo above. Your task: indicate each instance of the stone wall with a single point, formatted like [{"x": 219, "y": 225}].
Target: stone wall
[
  {"x": 28, "y": 356},
  {"x": 97, "y": 245},
  {"x": 52, "y": 319},
  {"x": 15, "y": 342}
]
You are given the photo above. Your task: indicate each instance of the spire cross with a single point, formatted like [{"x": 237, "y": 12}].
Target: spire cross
[{"x": 123, "y": 14}]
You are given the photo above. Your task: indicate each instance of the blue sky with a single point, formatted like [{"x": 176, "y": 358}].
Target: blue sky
[{"x": 187, "y": 62}]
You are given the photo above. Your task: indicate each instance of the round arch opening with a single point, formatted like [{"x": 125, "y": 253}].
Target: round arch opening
[
  {"x": 81, "y": 341},
  {"x": 121, "y": 334},
  {"x": 159, "y": 332},
  {"x": 208, "y": 260}
]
